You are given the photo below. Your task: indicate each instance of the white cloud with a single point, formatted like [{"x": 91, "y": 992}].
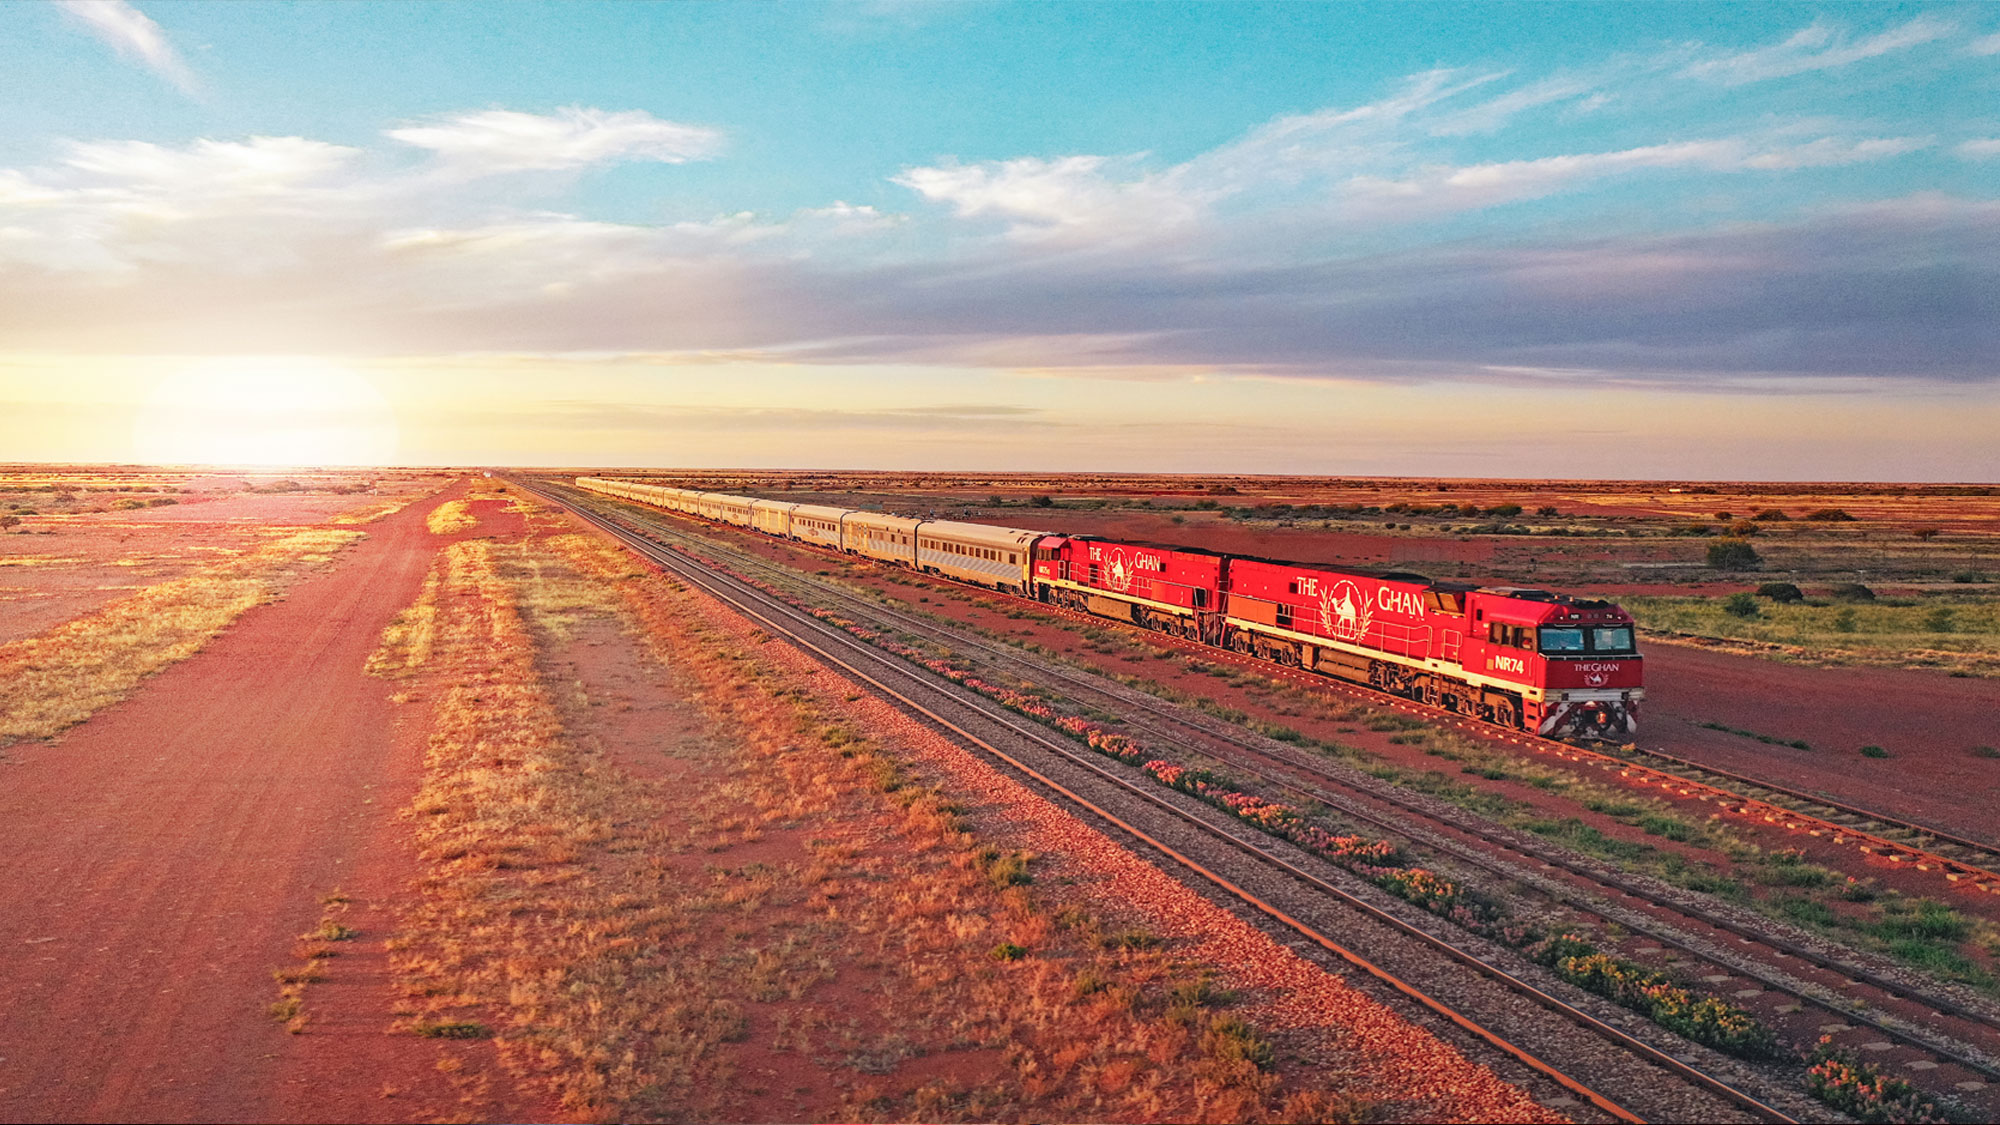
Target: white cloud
[
  {"x": 260, "y": 165},
  {"x": 1494, "y": 113},
  {"x": 131, "y": 33},
  {"x": 1979, "y": 148},
  {"x": 1441, "y": 188},
  {"x": 1984, "y": 45},
  {"x": 1817, "y": 47},
  {"x": 501, "y": 140},
  {"x": 1054, "y": 197}
]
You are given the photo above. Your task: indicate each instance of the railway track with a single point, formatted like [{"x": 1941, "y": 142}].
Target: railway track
[
  {"x": 984, "y": 724},
  {"x": 1865, "y": 999}
]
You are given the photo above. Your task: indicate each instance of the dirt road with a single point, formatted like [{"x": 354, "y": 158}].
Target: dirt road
[{"x": 162, "y": 859}]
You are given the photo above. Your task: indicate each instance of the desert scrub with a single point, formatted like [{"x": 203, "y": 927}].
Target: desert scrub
[
  {"x": 1963, "y": 631},
  {"x": 609, "y": 936},
  {"x": 450, "y": 517},
  {"x": 54, "y": 680}
]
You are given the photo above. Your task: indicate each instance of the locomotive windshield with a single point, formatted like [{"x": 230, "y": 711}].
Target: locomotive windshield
[{"x": 1603, "y": 640}]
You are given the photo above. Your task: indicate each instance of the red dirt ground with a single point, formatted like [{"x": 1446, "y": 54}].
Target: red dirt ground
[
  {"x": 1928, "y": 722},
  {"x": 59, "y": 567},
  {"x": 163, "y": 857}
]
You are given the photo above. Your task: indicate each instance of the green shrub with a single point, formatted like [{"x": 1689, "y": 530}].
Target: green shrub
[
  {"x": 1733, "y": 554},
  {"x": 1843, "y": 622},
  {"x": 1771, "y": 515},
  {"x": 1851, "y": 592},
  {"x": 1829, "y": 515},
  {"x": 1939, "y": 620},
  {"x": 1784, "y": 593},
  {"x": 1740, "y": 605},
  {"x": 1873, "y": 752}
]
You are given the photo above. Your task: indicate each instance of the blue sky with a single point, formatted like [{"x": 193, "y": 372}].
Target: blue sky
[{"x": 911, "y": 234}]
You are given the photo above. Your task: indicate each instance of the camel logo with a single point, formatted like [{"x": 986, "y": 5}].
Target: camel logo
[
  {"x": 1118, "y": 572},
  {"x": 1596, "y": 679},
  {"x": 1345, "y": 612}
]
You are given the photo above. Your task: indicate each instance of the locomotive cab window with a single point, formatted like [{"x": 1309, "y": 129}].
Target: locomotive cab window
[
  {"x": 1612, "y": 640},
  {"x": 1562, "y": 640}
]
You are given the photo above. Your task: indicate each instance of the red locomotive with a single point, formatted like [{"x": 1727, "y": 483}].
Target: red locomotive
[{"x": 1545, "y": 662}]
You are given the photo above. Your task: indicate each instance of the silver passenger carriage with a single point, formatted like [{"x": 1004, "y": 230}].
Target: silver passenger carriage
[
  {"x": 817, "y": 523},
  {"x": 975, "y": 552},
  {"x": 879, "y": 536}
]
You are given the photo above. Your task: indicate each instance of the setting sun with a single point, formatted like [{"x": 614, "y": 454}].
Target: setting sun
[{"x": 283, "y": 410}]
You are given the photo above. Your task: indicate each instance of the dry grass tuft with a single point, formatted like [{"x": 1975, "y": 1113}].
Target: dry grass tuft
[
  {"x": 53, "y": 681},
  {"x": 314, "y": 948},
  {"x": 408, "y": 638},
  {"x": 450, "y": 518}
]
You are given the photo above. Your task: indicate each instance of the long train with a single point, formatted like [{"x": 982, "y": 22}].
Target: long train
[{"x": 1530, "y": 659}]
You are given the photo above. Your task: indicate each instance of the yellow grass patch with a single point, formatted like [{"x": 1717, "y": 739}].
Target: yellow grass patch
[
  {"x": 372, "y": 512},
  {"x": 450, "y": 518},
  {"x": 57, "y": 679},
  {"x": 40, "y": 560},
  {"x": 407, "y": 640}
]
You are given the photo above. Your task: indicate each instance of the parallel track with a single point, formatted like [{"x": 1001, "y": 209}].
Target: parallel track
[
  {"x": 878, "y": 669},
  {"x": 1849, "y": 975}
]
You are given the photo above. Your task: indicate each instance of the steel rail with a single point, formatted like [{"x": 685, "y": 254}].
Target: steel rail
[
  {"x": 701, "y": 575},
  {"x": 1955, "y": 871},
  {"x": 1852, "y": 973}
]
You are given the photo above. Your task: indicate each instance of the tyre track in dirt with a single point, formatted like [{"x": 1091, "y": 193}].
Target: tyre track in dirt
[{"x": 163, "y": 857}]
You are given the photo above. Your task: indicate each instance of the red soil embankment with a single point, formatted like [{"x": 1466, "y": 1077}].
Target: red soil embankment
[{"x": 162, "y": 859}]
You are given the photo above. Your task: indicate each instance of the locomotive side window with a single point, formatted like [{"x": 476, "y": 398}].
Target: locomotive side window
[
  {"x": 1562, "y": 640},
  {"x": 1285, "y": 613},
  {"x": 1514, "y": 636},
  {"x": 1200, "y": 598}
]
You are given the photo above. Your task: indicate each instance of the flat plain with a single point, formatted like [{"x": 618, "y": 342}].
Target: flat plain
[{"x": 408, "y": 796}]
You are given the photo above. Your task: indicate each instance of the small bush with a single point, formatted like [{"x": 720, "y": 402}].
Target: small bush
[
  {"x": 1547, "y": 510},
  {"x": 456, "y": 1029},
  {"x": 1843, "y": 622},
  {"x": 1985, "y": 752},
  {"x": 1771, "y": 515},
  {"x": 1873, "y": 752},
  {"x": 1829, "y": 515},
  {"x": 1007, "y": 951},
  {"x": 1784, "y": 593},
  {"x": 1740, "y": 605},
  {"x": 1939, "y": 620},
  {"x": 1851, "y": 592},
  {"x": 1504, "y": 511},
  {"x": 1042, "y": 501},
  {"x": 1968, "y": 576},
  {"x": 1733, "y": 554}
]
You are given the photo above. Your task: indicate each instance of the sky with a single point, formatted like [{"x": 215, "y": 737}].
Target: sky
[{"x": 1682, "y": 241}]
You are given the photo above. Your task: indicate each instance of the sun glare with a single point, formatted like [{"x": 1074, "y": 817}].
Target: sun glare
[{"x": 266, "y": 411}]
